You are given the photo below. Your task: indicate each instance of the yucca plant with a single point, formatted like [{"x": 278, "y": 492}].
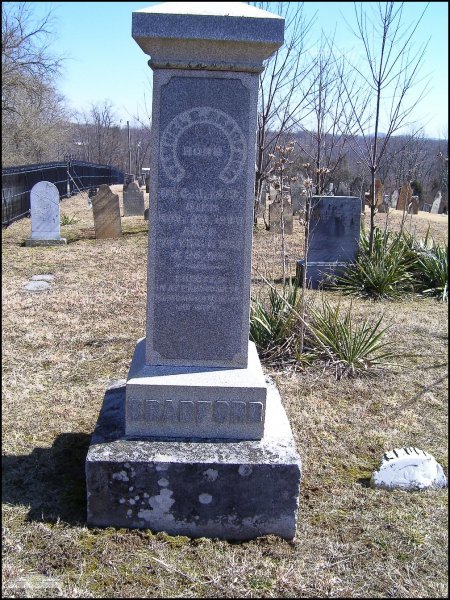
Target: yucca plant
[
  {"x": 432, "y": 272},
  {"x": 274, "y": 323},
  {"x": 351, "y": 349},
  {"x": 383, "y": 274}
]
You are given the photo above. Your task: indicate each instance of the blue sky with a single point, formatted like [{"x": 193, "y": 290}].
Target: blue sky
[{"x": 105, "y": 63}]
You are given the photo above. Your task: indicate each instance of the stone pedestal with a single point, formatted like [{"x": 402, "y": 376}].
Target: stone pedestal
[
  {"x": 202, "y": 445},
  {"x": 229, "y": 490}
]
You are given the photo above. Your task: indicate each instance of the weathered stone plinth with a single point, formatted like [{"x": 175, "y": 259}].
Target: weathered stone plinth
[
  {"x": 194, "y": 401},
  {"x": 224, "y": 489},
  {"x": 318, "y": 272},
  {"x": 37, "y": 242}
]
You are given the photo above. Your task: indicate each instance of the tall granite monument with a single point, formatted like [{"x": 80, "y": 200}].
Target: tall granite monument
[{"x": 197, "y": 442}]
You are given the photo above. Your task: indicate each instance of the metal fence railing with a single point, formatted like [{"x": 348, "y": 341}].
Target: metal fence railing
[{"x": 69, "y": 177}]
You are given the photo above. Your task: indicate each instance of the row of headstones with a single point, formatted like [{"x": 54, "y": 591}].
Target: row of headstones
[{"x": 45, "y": 212}]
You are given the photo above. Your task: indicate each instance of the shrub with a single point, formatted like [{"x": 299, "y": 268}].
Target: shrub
[
  {"x": 274, "y": 324},
  {"x": 66, "y": 220},
  {"x": 351, "y": 349},
  {"x": 384, "y": 274}
]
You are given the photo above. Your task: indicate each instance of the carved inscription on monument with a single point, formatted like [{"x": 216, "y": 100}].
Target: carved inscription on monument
[{"x": 199, "y": 225}]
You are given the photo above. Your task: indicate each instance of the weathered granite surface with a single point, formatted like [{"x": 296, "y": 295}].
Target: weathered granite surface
[{"x": 230, "y": 490}]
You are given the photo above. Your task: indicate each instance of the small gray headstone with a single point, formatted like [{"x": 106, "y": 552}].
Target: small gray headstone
[
  {"x": 133, "y": 201},
  {"x": 408, "y": 469},
  {"x": 436, "y": 204},
  {"x": 45, "y": 217},
  {"x": 275, "y": 213}
]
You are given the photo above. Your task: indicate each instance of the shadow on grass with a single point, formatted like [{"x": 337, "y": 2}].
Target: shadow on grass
[
  {"x": 364, "y": 482},
  {"x": 51, "y": 481}
]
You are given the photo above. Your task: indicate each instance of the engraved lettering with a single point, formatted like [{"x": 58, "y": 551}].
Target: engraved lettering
[
  {"x": 221, "y": 411},
  {"x": 187, "y": 411},
  {"x": 255, "y": 412}
]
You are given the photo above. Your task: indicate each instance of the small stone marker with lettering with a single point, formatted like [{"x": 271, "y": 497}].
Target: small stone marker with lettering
[
  {"x": 106, "y": 209},
  {"x": 215, "y": 454},
  {"x": 133, "y": 201},
  {"x": 45, "y": 216},
  {"x": 408, "y": 469},
  {"x": 334, "y": 237}
]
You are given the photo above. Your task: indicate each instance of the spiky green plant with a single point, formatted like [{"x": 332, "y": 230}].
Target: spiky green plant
[
  {"x": 351, "y": 349},
  {"x": 274, "y": 322},
  {"x": 383, "y": 274}
]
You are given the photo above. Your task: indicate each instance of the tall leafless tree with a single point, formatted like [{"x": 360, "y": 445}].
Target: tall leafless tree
[
  {"x": 392, "y": 62},
  {"x": 282, "y": 94}
]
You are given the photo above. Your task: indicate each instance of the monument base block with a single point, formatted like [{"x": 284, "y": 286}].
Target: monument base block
[
  {"x": 234, "y": 490},
  {"x": 195, "y": 402},
  {"x": 37, "y": 242}
]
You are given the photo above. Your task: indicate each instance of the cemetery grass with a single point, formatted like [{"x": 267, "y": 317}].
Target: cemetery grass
[{"x": 62, "y": 348}]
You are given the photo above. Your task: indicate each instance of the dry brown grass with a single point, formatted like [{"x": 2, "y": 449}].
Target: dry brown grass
[{"x": 60, "y": 350}]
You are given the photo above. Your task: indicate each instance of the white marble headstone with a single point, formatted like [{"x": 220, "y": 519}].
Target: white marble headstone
[{"x": 44, "y": 204}]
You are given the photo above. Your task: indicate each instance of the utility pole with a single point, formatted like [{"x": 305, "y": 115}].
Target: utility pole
[{"x": 129, "y": 148}]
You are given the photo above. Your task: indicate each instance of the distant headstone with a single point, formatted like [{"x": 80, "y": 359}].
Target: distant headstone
[
  {"x": 408, "y": 469},
  {"x": 385, "y": 205},
  {"x": 435, "y": 207},
  {"x": 133, "y": 201},
  {"x": 275, "y": 216},
  {"x": 394, "y": 199},
  {"x": 298, "y": 198},
  {"x": 146, "y": 214},
  {"x": 414, "y": 205},
  {"x": 404, "y": 197},
  {"x": 334, "y": 235},
  {"x": 45, "y": 216},
  {"x": 379, "y": 193},
  {"x": 106, "y": 210},
  {"x": 273, "y": 193},
  {"x": 193, "y": 450}
]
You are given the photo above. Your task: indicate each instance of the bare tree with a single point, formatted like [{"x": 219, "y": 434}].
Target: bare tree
[
  {"x": 27, "y": 61},
  {"x": 34, "y": 116},
  {"x": 282, "y": 94},
  {"x": 326, "y": 140},
  {"x": 387, "y": 80}
]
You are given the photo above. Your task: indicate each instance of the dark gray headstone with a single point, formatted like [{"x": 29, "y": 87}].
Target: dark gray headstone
[{"x": 334, "y": 234}]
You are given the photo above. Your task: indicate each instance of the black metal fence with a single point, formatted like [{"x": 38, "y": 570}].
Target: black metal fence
[{"x": 69, "y": 177}]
